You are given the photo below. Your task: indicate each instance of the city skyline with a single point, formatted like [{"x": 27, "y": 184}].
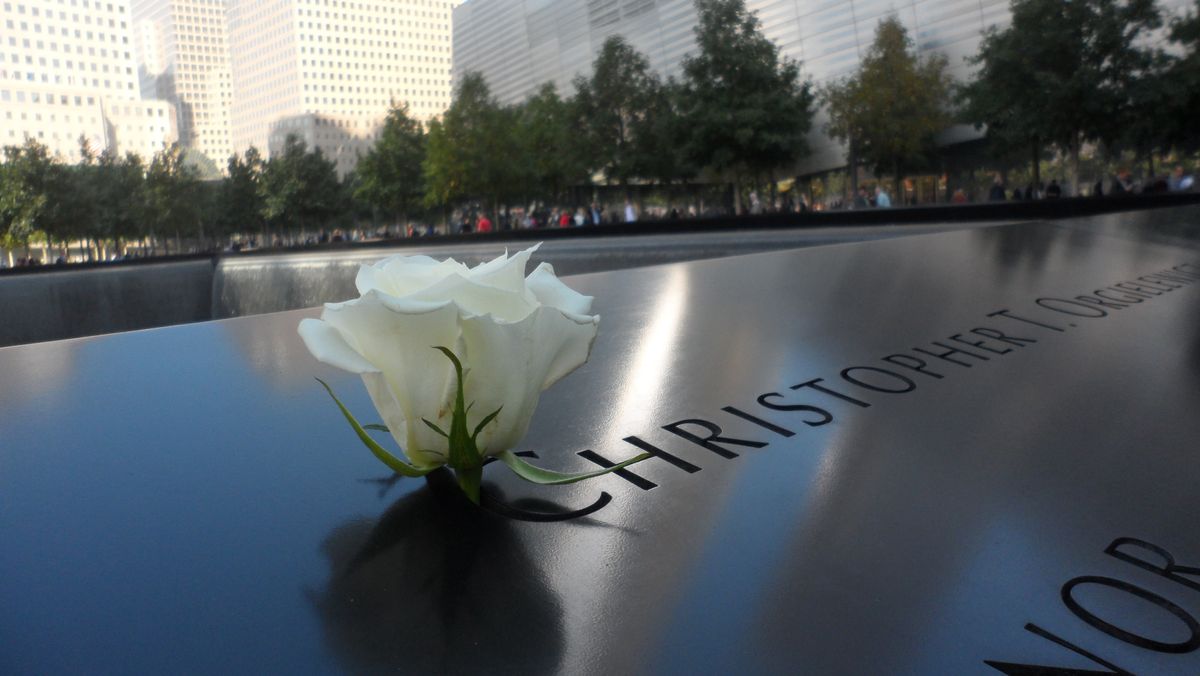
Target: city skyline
[{"x": 220, "y": 76}]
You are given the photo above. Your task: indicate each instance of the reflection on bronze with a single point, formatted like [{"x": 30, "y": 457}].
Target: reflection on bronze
[{"x": 433, "y": 586}]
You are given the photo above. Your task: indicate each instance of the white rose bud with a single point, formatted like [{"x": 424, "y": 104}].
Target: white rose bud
[{"x": 514, "y": 335}]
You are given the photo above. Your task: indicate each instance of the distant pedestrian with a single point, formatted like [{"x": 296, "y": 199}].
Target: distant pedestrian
[
  {"x": 996, "y": 194},
  {"x": 1054, "y": 190},
  {"x": 1121, "y": 185},
  {"x": 860, "y": 200},
  {"x": 1179, "y": 181},
  {"x": 597, "y": 214},
  {"x": 959, "y": 197},
  {"x": 484, "y": 224},
  {"x": 630, "y": 213},
  {"x": 882, "y": 199}
]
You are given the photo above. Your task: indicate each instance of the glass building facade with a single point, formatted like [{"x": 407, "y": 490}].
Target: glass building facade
[{"x": 520, "y": 44}]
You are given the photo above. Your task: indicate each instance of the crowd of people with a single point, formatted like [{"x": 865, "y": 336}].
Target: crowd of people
[{"x": 476, "y": 219}]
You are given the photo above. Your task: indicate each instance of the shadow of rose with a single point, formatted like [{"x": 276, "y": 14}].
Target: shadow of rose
[{"x": 437, "y": 584}]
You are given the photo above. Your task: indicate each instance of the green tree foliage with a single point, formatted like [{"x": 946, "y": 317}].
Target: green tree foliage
[
  {"x": 663, "y": 147},
  {"x": 172, "y": 189},
  {"x": 747, "y": 109},
  {"x": 390, "y": 177},
  {"x": 551, "y": 156},
  {"x": 28, "y": 177},
  {"x": 1182, "y": 82},
  {"x": 300, "y": 188},
  {"x": 1060, "y": 74},
  {"x": 472, "y": 150},
  {"x": 117, "y": 196},
  {"x": 888, "y": 112},
  {"x": 239, "y": 207},
  {"x": 613, "y": 110}
]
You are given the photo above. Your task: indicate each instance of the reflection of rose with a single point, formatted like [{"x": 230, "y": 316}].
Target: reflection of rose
[
  {"x": 515, "y": 336},
  {"x": 437, "y": 586}
]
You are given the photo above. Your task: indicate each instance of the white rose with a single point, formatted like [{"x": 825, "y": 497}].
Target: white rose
[{"x": 515, "y": 336}]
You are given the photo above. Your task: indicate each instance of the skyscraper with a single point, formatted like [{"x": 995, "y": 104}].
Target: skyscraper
[
  {"x": 328, "y": 70},
  {"x": 67, "y": 71},
  {"x": 183, "y": 58}
]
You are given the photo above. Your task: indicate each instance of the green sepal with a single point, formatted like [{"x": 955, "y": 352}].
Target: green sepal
[
  {"x": 484, "y": 422},
  {"x": 377, "y": 427},
  {"x": 545, "y": 477},
  {"x": 434, "y": 427},
  {"x": 464, "y": 455},
  {"x": 396, "y": 464}
]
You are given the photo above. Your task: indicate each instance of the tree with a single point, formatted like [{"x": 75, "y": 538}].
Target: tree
[
  {"x": 613, "y": 106},
  {"x": 472, "y": 151},
  {"x": 888, "y": 112},
  {"x": 1182, "y": 81},
  {"x": 1060, "y": 74},
  {"x": 240, "y": 205},
  {"x": 300, "y": 188},
  {"x": 118, "y": 198},
  {"x": 28, "y": 176},
  {"x": 746, "y": 107},
  {"x": 551, "y": 156},
  {"x": 662, "y": 149},
  {"x": 171, "y": 192},
  {"x": 390, "y": 177}
]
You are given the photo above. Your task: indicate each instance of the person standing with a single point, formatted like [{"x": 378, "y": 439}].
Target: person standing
[
  {"x": 755, "y": 203},
  {"x": 1053, "y": 191},
  {"x": 996, "y": 194},
  {"x": 630, "y": 213},
  {"x": 860, "y": 200},
  {"x": 882, "y": 199}
]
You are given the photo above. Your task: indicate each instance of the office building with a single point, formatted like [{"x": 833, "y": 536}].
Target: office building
[
  {"x": 328, "y": 70},
  {"x": 183, "y": 58},
  {"x": 67, "y": 71}
]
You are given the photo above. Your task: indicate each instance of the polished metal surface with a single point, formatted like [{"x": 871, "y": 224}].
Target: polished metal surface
[
  {"x": 188, "y": 500},
  {"x": 257, "y": 284},
  {"x": 56, "y": 302}
]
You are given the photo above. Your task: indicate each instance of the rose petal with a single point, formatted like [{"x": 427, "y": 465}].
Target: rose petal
[
  {"x": 402, "y": 275},
  {"x": 478, "y": 299},
  {"x": 328, "y": 346},
  {"x": 511, "y": 362},
  {"x": 504, "y": 272},
  {"x": 549, "y": 290},
  {"x": 400, "y": 344}
]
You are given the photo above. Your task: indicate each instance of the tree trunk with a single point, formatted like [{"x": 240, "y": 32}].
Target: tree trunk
[
  {"x": 1037, "y": 164},
  {"x": 853, "y": 177},
  {"x": 1074, "y": 153},
  {"x": 737, "y": 197}
]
